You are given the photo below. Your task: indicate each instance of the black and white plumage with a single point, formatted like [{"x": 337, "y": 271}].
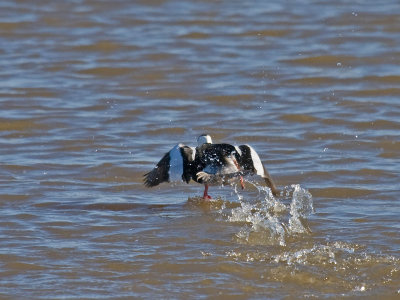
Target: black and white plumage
[{"x": 209, "y": 164}]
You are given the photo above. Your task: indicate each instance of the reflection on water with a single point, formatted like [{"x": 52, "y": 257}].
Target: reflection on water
[{"x": 92, "y": 94}]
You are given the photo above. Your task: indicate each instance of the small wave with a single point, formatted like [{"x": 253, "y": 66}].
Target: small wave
[
  {"x": 268, "y": 220},
  {"x": 331, "y": 266}
]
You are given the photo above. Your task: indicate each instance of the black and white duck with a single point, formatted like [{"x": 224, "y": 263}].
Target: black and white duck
[{"x": 209, "y": 164}]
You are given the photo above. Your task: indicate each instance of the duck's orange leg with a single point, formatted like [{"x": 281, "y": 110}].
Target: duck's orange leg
[{"x": 206, "y": 195}]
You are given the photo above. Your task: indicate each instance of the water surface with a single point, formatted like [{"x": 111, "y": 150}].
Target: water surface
[{"x": 93, "y": 93}]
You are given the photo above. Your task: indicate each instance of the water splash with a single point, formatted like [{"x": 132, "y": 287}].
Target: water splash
[
  {"x": 331, "y": 266},
  {"x": 300, "y": 207},
  {"x": 268, "y": 220}
]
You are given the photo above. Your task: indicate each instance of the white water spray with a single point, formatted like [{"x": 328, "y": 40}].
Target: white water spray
[{"x": 269, "y": 220}]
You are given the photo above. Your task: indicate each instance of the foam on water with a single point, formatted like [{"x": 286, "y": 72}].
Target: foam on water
[
  {"x": 269, "y": 220},
  {"x": 329, "y": 266},
  {"x": 275, "y": 231}
]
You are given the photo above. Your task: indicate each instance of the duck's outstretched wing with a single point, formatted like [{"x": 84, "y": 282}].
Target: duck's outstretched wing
[
  {"x": 251, "y": 164},
  {"x": 176, "y": 165}
]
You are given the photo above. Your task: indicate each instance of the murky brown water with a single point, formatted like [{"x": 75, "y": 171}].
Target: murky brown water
[{"x": 92, "y": 94}]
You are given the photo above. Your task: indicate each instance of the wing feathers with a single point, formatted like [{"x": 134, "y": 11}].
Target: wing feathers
[
  {"x": 250, "y": 161},
  {"x": 188, "y": 156},
  {"x": 159, "y": 173},
  {"x": 174, "y": 166},
  {"x": 176, "y": 163}
]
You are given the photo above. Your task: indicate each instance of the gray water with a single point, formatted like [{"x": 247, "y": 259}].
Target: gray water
[{"x": 93, "y": 93}]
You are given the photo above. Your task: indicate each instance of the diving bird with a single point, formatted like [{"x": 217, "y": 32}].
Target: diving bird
[{"x": 209, "y": 164}]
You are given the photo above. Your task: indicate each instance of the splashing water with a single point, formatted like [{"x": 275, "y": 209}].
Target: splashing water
[
  {"x": 300, "y": 207},
  {"x": 270, "y": 221}
]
